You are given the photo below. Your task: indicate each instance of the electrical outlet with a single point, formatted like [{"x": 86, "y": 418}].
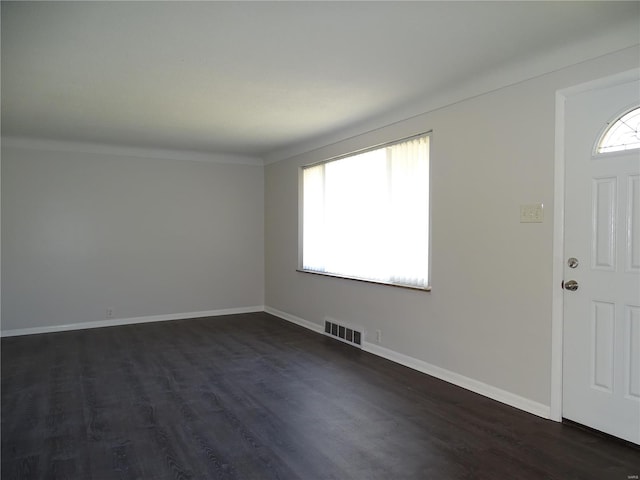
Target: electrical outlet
[{"x": 109, "y": 312}]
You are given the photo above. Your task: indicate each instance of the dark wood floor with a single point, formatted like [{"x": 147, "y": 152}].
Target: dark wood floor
[{"x": 254, "y": 397}]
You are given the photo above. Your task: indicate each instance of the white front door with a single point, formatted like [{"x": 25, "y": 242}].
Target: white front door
[{"x": 601, "y": 351}]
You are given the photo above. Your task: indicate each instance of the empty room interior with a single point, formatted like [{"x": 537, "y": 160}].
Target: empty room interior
[{"x": 320, "y": 240}]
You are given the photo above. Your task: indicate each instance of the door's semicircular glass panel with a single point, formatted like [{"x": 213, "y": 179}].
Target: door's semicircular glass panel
[{"x": 621, "y": 134}]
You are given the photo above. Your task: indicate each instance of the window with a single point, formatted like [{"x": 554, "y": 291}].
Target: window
[
  {"x": 623, "y": 134},
  {"x": 366, "y": 215}
]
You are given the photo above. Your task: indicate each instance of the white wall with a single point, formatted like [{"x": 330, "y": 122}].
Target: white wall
[
  {"x": 83, "y": 232},
  {"x": 488, "y": 317}
]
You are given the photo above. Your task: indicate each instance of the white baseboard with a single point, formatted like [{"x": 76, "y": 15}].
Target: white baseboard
[
  {"x": 476, "y": 386},
  {"x": 293, "y": 319},
  {"x": 467, "y": 383},
  {"x": 129, "y": 321}
]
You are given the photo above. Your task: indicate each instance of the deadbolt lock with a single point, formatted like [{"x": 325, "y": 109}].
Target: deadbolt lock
[{"x": 573, "y": 262}]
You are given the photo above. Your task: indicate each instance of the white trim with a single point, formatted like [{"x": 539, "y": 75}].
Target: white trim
[
  {"x": 129, "y": 321},
  {"x": 467, "y": 383},
  {"x": 557, "y": 295},
  {"x": 606, "y": 43},
  {"x": 557, "y": 299},
  {"x": 293, "y": 319},
  {"x": 124, "y": 151},
  {"x": 476, "y": 386}
]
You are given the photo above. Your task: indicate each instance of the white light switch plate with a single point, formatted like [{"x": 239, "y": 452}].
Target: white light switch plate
[{"x": 533, "y": 213}]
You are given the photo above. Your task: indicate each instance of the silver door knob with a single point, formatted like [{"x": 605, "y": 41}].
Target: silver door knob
[{"x": 570, "y": 285}]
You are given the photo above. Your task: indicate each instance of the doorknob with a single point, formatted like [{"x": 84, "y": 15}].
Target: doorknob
[{"x": 570, "y": 285}]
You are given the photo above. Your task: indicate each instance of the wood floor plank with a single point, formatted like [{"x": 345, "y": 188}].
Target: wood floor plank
[{"x": 254, "y": 397}]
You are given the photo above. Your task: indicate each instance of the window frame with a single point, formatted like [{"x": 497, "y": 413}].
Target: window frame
[
  {"x": 595, "y": 153},
  {"x": 341, "y": 156}
]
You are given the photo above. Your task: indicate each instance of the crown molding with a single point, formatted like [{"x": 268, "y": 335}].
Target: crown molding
[
  {"x": 125, "y": 151},
  {"x": 610, "y": 42}
]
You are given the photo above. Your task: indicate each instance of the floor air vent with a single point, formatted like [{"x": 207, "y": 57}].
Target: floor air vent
[{"x": 342, "y": 333}]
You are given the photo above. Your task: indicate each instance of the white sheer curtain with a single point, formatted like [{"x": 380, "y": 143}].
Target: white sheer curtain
[{"x": 367, "y": 215}]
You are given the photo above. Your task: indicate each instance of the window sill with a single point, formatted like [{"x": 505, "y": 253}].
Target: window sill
[{"x": 324, "y": 274}]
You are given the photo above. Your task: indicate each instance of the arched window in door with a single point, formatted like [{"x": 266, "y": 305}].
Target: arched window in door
[{"x": 621, "y": 134}]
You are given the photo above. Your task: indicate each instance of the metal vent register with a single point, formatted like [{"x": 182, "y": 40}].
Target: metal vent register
[{"x": 343, "y": 333}]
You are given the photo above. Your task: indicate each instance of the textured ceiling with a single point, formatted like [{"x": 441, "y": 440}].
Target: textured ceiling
[{"x": 251, "y": 78}]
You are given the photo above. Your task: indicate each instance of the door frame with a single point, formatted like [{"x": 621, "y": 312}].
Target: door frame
[{"x": 557, "y": 299}]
